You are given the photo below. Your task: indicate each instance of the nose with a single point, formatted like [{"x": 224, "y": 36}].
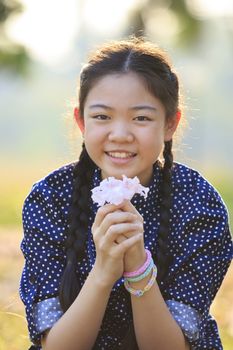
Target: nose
[{"x": 120, "y": 133}]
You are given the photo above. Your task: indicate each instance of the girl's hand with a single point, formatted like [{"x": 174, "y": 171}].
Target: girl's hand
[
  {"x": 135, "y": 256},
  {"x": 112, "y": 222}
]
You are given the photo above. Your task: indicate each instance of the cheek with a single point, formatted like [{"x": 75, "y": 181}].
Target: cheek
[
  {"x": 153, "y": 140},
  {"x": 93, "y": 135},
  {"x": 93, "y": 141}
]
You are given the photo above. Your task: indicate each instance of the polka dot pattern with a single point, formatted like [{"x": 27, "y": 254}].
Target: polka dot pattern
[
  {"x": 46, "y": 313},
  {"x": 187, "y": 317},
  {"x": 200, "y": 243}
]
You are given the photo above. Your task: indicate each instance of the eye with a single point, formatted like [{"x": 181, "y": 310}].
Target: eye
[
  {"x": 100, "y": 117},
  {"x": 143, "y": 118}
]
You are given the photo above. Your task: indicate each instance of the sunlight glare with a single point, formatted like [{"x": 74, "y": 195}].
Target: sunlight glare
[
  {"x": 46, "y": 28},
  {"x": 105, "y": 16},
  {"x": 211, "y": 8}
]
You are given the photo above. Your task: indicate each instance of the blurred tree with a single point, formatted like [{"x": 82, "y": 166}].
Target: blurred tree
[
  {"x": 148, "y": 12},
  {"x": 190, "y": 25},
  {"x": 13, "y": 56}
]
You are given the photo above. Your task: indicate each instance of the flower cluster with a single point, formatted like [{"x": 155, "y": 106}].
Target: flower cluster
[{"x": 115, "y": 191}]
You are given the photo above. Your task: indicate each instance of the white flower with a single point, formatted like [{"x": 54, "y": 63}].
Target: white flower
[{"x": 115, "y": 191}]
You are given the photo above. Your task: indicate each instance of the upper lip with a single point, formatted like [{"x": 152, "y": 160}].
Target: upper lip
[{"x": 120, "y": 151}]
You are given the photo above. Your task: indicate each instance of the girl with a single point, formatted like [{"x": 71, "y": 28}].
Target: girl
[{"x": 89, "y": 280}]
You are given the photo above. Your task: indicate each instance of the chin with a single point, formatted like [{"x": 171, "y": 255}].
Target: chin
[{"x": 116, "y": 175}]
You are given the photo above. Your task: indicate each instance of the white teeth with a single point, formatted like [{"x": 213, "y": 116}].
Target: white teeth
[{"x": 120, "y": 154}]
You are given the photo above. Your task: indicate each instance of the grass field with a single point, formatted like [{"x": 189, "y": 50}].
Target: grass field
[{"x": 13, "y": 327}]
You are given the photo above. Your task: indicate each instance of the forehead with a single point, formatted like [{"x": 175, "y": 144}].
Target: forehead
[{"x": 123, "y": 88}]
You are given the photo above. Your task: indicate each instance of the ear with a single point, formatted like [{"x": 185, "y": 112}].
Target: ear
[
  {"x": 78, "y": 119},
  {"x": 171, "y": 126}
]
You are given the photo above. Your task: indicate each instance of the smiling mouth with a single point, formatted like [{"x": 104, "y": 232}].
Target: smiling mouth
[{"x": 121, "y": 155}]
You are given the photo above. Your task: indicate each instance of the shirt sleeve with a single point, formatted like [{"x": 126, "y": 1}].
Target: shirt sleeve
[
  {"x": 201, "y": 246},
  {"x": 44, "y": 225}
]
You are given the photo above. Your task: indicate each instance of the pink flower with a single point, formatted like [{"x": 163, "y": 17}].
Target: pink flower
[{"x": 115, "y": 191}]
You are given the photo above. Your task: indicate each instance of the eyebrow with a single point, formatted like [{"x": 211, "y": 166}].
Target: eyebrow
[{"x": 135, "y": 108}]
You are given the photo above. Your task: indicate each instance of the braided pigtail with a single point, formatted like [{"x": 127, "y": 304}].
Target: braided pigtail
[
  {"x": 163, "y": 260},
  {"x": 77, "y": 231}
]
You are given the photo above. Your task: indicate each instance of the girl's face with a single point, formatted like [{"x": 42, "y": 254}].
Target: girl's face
[{"x": 125, "y": 127}]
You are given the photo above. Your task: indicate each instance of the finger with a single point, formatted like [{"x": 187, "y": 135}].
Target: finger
[
  {"x": 117, "y": 217},
  {"x": 137, "y": 228},
  {"x": 120, "y": 239},
  {"x": 102, "y": 212},
  {"x": 128, "y": 206},
  {"x": 116, "y": 234},
  {"x": 128, "y": 243},
  {"x": 125, "y": 228},
  {"x": 123, "y": 231}
]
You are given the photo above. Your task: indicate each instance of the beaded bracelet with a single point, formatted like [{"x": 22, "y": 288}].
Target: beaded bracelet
[
  {"x": 143, "y": 275},
  {"x": 141, "y": 269},
  {"x": 139, "y": 292}
]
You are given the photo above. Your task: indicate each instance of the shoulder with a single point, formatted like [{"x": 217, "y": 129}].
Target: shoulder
[
  {"x": 184, "y": 176},
  {"x": 190, "y": 181},
  {"x": 58, "y": 183},
  {"x": 194, "y": 194},
  {"x": 58, "y": 179},
  {"x": 46, "y": 207},
  {"x": 52, "y": 191},
  {"x": 199, "y": 217}
]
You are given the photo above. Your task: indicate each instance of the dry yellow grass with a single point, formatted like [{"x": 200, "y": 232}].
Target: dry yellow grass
[{"x": 13, "y": 327}]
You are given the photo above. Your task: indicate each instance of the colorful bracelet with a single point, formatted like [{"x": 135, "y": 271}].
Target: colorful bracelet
[
  {"x": 141, "y": 269},
  {"x": 139, "y": 292},
  {"x": 143, "y": 275}
]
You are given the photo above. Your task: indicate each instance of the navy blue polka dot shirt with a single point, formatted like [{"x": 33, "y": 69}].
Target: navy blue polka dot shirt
[{"x": 199, "y": 241}]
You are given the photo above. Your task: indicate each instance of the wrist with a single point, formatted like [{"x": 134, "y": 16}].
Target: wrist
[
  {"x": 142, "y": 283},
  {"x": 100, "y": 281},
  {"x": 139, "y": 288},
  {"x": 135, "y": 264}
]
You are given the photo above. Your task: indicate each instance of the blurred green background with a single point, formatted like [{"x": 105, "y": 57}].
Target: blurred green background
[{"x": 43, "y": 45}]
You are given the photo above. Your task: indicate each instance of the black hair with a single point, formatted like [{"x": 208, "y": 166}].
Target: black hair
[{"x": 152, "y": 65}]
